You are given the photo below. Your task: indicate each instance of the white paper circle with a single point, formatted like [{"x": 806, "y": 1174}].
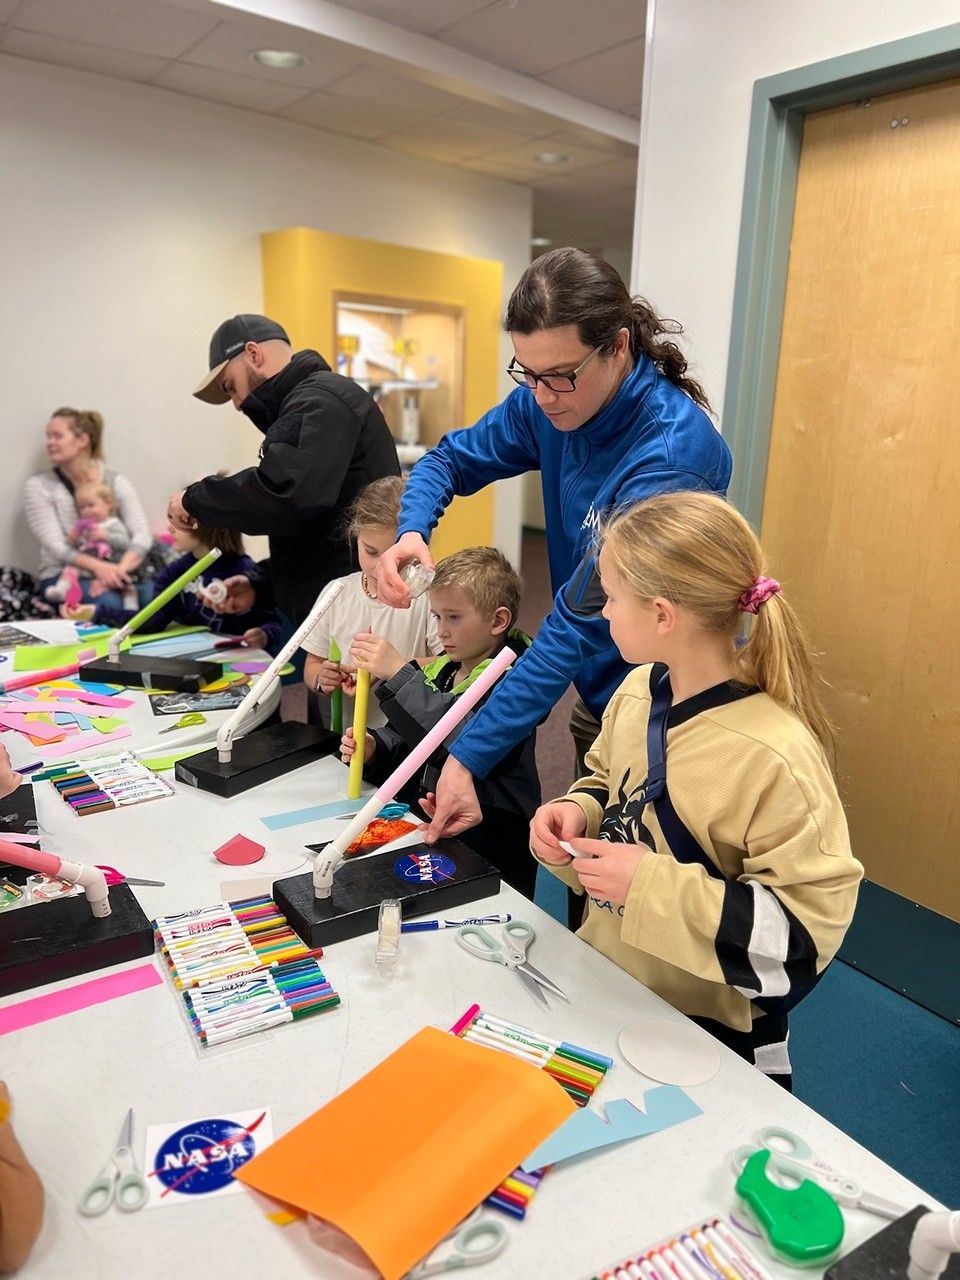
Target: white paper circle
[{"x": 670, "y": 1052}]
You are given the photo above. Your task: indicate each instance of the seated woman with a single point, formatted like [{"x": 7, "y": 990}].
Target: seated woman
[{"x": 74, "y": 449}]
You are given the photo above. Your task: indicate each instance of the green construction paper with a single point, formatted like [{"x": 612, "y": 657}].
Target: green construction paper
[
  {"x": 43, "y": 657},
  {"x": 106, "y": 724},
  {"x": 159, "y": 764}
]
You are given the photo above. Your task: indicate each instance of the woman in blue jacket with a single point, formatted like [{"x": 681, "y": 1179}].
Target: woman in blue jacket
[{"x": 605, "y": 410}]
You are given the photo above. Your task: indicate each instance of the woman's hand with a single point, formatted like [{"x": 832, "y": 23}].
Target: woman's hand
[
  {"x": 130, "y": 561},
  {"x": 376, "y": 655},
  {"x": 111, "y": 576},
  {"x": 348, "y": 747},
  {"x": 561, "y": 820},
  {"x": 177, "y": 513},
  {"x": 606, "y": 870},
  {"x": 454, "y": 807},
  {"x": 391, "y": 588}
]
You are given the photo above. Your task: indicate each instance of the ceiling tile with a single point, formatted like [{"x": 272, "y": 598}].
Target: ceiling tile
[
  {"x": 350, "y": 115},
  {"x": 219, "y": 86},
  {"x": 85, "y": 57},
  {"x": 228, "y": 48},
  {"x": 522, "y": 122},
  {"x": 613, "y": 174},
  {"x": 452, "y": 140},
  {"x": 605, "y": 147},
  {"x": 138, "y": 26},
  {"x": 425, "y": 16},
  {"x": 498, "y": 169},
  {"x": 611, "y": 78},
  {"x": 523, "y": 156},
  {"x": 376, "y": 84},
  {"x": 531, "y": 36}
]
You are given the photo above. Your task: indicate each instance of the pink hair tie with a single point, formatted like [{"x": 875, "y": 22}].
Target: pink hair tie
[{"x": 757, "y": 594}]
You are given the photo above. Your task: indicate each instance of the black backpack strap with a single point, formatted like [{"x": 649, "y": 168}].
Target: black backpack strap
[{"x": 679, "y": 840}]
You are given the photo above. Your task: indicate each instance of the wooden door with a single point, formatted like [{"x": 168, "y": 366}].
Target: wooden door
[{"x": 861, "y": 513}]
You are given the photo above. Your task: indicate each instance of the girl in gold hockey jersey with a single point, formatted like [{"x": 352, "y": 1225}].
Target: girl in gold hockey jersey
[{"x": 709, "y": 838}]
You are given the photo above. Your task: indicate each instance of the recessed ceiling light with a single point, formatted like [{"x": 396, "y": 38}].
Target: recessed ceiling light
[
  {"x": 282, "y": 59},
  {"x": 540, "y": 242},
  {"x": 551, "y": 157}
]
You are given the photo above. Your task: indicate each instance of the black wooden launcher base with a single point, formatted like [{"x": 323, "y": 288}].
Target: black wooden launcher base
[
  {"x": 53, "y": 940},
  {"x": 259, "y": 757},
  {"x": 362, "y": 884},
  {"x": 180, "y": 675}
]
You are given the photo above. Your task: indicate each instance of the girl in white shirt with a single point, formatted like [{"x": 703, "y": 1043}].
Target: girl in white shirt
[{"x": 373, "y": 526}]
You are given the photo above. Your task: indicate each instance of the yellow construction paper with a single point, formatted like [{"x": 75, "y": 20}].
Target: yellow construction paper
[{"x": 403, "y": 1155}]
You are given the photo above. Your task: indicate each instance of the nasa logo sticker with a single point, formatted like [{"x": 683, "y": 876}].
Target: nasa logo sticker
[
  {"x": 424, "y": 867},
  {"x": 201, "y": 1158}
]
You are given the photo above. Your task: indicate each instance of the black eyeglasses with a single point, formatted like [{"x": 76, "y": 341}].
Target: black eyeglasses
[{"x": 559, "y": 382}]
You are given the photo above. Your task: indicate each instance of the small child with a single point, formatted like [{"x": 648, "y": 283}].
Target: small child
[
  {"x": 722, "y": 877},
  {"x": 259, "y": 628},
  {"x": 372, "y": 524},
  {"x": 475, "y": 598},
  {"x": 99, "y": 532}
]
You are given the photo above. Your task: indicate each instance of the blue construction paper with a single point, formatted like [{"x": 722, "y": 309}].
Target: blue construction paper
[
  {"x": 178, "y": 645},
  {"x": 94, "y": 686},
  {"x": 70, "y": 717},
  {"x": 295, "y": 817},
  {"x": 586, "y": 1131}
]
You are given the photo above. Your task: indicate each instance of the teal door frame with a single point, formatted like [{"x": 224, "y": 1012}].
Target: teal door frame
[{"x": 780, "y": 104}]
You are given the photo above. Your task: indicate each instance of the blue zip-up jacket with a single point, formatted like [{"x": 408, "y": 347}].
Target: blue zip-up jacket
[{"x": 651, "y": 438}]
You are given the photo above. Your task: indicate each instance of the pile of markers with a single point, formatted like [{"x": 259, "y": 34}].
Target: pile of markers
[
  {"x": 710, "y": 1251},
  {"x": 240, "y": 969},
  {"x": 578, "y": 1071},
  {"x": 106, "y": 782}
]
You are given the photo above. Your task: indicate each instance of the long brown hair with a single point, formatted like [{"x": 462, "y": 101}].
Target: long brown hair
[
  {"x": 696, "y": 551},
  {"x": 84, "y": 422},
  {"x": 571, "y": 286}
]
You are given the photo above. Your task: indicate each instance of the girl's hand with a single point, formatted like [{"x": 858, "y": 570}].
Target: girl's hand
[
  {"x": 255, "y": 638},
  {"x": 376, "y": 655},
  {"x": 323, "y": 676},
  {"x": 561, "y": 820},
  {"x": 348, "y": 747},
  {"x": 606, "y": 870},
  {"x": 78, "y": 612},
  {"x": 348, "y": 680}
]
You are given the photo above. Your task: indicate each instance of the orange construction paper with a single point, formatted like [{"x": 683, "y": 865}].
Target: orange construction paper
[{"x": 403, "y": 1155}]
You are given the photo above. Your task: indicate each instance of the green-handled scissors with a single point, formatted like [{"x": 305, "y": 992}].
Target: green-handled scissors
[
  {"x": 119, "y": 1181},
  {"x": 186, "y": 721},
  {"x": 476, "y": 1240}
]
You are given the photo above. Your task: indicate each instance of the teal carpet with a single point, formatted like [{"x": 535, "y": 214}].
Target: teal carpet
[{"x": 878, "y": 1066}]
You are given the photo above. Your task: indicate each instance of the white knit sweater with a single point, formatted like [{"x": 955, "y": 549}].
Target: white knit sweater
[{"x": 51, "y": 514}]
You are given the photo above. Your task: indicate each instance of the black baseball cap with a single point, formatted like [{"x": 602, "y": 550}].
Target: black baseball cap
[{"x": 228, "y": 341}]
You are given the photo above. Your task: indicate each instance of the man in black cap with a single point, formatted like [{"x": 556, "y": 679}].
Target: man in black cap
[{"x": 324, "y": 440}]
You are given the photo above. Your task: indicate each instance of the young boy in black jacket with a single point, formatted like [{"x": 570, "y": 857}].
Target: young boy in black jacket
[{"x": 475, "y": 598}]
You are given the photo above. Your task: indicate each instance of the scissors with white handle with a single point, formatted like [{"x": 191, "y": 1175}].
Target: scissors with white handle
[
  {"x": 476, "y": 1240},
  {"x": 511, "y": 951},
  {"x": 791, "y": 1157},
  {"x": 119, "y": 1180}
]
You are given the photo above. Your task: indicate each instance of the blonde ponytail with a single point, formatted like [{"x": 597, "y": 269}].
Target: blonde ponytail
[{"x": 696, "y": 551}]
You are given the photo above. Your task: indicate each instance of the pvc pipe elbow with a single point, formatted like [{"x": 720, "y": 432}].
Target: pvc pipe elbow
[{"x": 935, "y": 1237}]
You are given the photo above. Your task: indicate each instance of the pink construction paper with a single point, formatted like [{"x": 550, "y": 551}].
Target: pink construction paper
[
  {"x": 54, "y": 1005},
  {"x": 43, "y": 707},
  {"x": 79, "y": 741},
  {"x": 98, "y": 699},
  {"x": 239, "y": 851},
  {"x": 32, "y": 728}
]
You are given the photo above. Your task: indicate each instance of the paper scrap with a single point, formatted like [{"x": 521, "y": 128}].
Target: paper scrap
[
  {"x": 297, "y": 817},
  {"x": 197, "y": 1159},
  {"x": 397, "y": 1177},
  {"x": 80, "y": 742},
  {"x": 587, "y": 1132},
  {"x": 239, "y": 851},
  {"x": 26, "y": 1013}
]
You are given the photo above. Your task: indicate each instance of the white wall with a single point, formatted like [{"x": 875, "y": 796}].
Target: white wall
[
  {"x": 130, "y": 222},
  {"x": 703, "y": 63}
]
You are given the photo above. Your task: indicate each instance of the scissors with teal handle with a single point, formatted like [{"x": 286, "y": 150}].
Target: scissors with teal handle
[
  {"x": 476, "y": 1240},
  {"x": 119, "y": 1181},
  {"x": 793, "y": 1159},
  {"x": 511, "y": 951}
]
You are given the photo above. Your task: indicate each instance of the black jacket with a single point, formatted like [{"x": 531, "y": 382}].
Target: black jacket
[{"x": 324, "y": 441}]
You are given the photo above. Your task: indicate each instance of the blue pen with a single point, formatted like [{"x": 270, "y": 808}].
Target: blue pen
[
  {"x": 28, "y": 768},
  {"x": 427, "y": 926}
]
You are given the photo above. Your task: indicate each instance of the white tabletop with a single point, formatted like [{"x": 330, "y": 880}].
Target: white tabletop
[{"x": 73, "y": 1078}]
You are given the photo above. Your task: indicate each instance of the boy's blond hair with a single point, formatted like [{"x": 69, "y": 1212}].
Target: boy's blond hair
[{"x": 485, "y": 576}]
